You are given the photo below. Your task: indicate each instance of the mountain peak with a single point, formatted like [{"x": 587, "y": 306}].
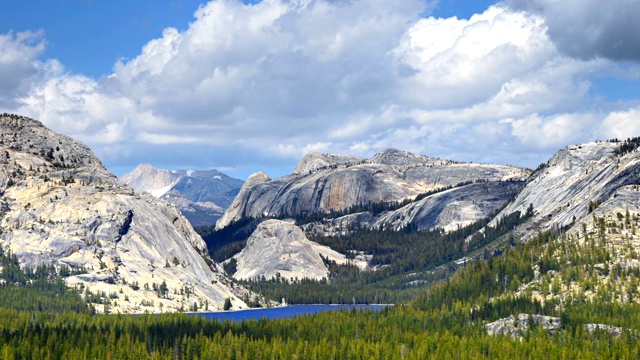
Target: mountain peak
[
  {"x": 315, "y": 161},
  {"x": 62, "y": 207},
  {"x": 397, "y": 157},
  {"x": 29, "y": 136},
  {"x": 146, "y": 177},
  {"x": 202, "y": 196}
]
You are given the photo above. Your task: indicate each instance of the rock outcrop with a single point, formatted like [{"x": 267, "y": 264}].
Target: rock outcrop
[
  {"x": 326, "y": 183},
  {"x": 574, "y": 182},
  {"x": 516, "y": 327},
  {"x": 201, "y": 196},
  {"x": 60, "y": 206},
  {"x": 280, "y": 249}
]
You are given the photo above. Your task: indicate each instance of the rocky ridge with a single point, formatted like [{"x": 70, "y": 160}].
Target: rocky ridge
[
  {"x": 324, "y": 183},
  {"x": 201, "y": 196},
  {"x": 573, "y": 183},
  {"x": 60, "y": 206}
]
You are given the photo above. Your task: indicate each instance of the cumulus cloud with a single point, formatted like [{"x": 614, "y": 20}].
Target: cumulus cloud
[
  {"x": 591, "y": 28},
  {"x": 260, "y": 85},
  {"x": 621, "y": 124},
  {"x": 18, "y": 65}
]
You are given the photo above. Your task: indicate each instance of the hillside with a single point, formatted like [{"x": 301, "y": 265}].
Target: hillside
[
  {"x": 575, "y": 181},
  {"x": 134, "y": 252}
]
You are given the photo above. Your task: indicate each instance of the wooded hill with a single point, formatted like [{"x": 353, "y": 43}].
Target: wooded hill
[{"x": 447, "y": 321}]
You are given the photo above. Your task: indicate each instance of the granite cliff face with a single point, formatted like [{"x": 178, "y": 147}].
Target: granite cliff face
[
  {"x": 201, "y": 196},
  {"x": 59, "y": 205},
  {"x": 323, "y": 183},
  {"x": 574, "y": 182},
  {"x": 280, "y": 249}
]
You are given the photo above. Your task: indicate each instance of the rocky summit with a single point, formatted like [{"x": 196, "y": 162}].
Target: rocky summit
[
  {"x": 201, "y": 196},
  {"x": 330, "y": 183},
  {"x": 60, "y": 206}
]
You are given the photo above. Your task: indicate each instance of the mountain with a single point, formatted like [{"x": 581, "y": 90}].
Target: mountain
[
  {"x": 449, "y": 210},
  {"x": 336, "y": 185},
  {"x": 201, "y": 196},
  {"x": 60, "y": 206},
  {"x": 574, "y": 182}
]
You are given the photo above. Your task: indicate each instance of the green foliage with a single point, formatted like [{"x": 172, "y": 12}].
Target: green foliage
[
  {"x": 448, "y": 321},
  {"x": 627, "y": 146},
  {"x": 394, "y": 333},
  {"x": 39, "y": 289},
  {"x": 225, "y": 243},
  {"x": 406, "y": 260},
  {"x": 231, "y": 267}
]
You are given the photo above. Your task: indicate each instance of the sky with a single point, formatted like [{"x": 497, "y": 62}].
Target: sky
[{"x": 246, "y": 86}]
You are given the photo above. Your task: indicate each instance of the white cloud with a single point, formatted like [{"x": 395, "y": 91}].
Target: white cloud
[
  {"x": 266, "y": 83},
  {"x": 555, "y": 131},
  {"x": 621, "y": 125},
  {"x": 18, "y": 65}
]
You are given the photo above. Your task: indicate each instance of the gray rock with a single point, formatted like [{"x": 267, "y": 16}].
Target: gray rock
[
  {"x": 452, "y": 209},
  {"x": 325, "y": 183},
  {"x": 61, "y": 206},
  {"x": 516, "y": 327},
  {"x": 280, "y": 249},
  {"x": 561, "y": 191}
]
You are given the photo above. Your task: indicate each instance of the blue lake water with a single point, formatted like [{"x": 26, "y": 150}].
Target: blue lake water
[{"x": 283, "y": 312}]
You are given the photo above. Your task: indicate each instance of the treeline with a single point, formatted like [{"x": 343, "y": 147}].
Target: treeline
[
  {"x": 226, "y": 242},
  {"x": 399, "y": 333},
  {"x": 627, "y": 146},
  {"x": 495, "y": 288},
  {"x": 404, "y": 260},
  {"x": 446, "y": 322},
  {"x": 39, "y": 289}
]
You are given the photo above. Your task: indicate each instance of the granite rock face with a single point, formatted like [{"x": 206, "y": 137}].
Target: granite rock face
[
  {"x": 280, "y": 249},
  {"x": 573, "y": 181},
  {"x": 323, "y": 183},
  {"x": 201, "y": 196},
  {"x": 59, "y": 205}
]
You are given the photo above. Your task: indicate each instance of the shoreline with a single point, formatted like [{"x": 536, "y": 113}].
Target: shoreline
[{"x": 284, "y": 307}]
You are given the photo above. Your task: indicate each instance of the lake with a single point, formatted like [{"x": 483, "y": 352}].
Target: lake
[{"x": 282, "y": 312}]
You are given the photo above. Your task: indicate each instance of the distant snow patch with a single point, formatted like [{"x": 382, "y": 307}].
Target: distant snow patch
[{"x": 159, "y": 192}]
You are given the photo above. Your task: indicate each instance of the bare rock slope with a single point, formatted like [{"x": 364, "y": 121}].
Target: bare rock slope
[
  {"x": 574, "y": 182},
  {"x": 59, "y": 205},
  {"x": 280, "y": 249},
  {"x": 323, "y": 183}
]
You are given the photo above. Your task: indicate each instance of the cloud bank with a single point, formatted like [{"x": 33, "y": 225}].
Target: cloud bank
[
  {"x": 251, "y": 87},
  {"x": 591, "y": 28}
]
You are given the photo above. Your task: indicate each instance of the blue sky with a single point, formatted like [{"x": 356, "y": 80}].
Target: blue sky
[{"x": 253, "y": 86}]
